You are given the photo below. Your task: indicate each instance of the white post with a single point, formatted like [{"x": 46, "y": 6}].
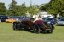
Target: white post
[
  {"x": 12, "y": 20},
  {"x": 0, "y": 20}
]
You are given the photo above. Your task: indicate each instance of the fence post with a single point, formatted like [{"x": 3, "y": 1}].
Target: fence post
[
  {"x": 0, "y": 20},
  {"x": 12, "y": 20}
]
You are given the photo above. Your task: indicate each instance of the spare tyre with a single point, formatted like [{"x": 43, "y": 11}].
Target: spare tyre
[{"x": 46, "y": 25}]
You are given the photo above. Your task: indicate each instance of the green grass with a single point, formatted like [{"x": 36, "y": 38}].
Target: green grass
[{"x": 8, "y": 35}]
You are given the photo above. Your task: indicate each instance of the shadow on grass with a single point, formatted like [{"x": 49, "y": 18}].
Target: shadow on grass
[
  {"x": 59, "y": 25},
  {"x": 42, "y": 32},
  {"x": 19, "y": 30}
]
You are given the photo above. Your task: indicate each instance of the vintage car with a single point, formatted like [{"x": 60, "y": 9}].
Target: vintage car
[{"x": 36, "y": 26}]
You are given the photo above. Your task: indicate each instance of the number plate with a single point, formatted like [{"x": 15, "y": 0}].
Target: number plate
[{"x": 48, "y": 29}]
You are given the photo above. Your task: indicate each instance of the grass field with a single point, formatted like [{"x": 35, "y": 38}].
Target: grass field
[{"x": 8, "y": 35}]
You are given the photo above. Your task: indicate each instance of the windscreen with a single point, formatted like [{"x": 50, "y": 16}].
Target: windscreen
[{"x": 49, "y": 19}]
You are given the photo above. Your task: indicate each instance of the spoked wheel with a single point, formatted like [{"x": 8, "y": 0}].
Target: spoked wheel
[
  {"x": 45, "y": 24},
  {"x": 18, "y": 27},
  {"x": 14, "y": 26},
  {"x": 36, "y": 29}
]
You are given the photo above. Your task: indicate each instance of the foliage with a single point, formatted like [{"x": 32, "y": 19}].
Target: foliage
[
  {"x": 56, "y": 7},
  {"x": 23, "y": 9},
  {"x": 13, "y": 8},
  {"x": 18, "y": 10},
  {"x": 44, "y": 7},
  {"x": 33, "y": 10},
  {"x": 2, "y": 9}
]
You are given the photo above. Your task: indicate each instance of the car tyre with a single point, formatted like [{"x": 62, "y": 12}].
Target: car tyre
[
  {"x": 14, "y": 26},
  {"x": 18, "y": 26},
  {"x": 50, "y": 31},
  {"x": 45, "y": 24},
  {"x": 36, "y": 29}
]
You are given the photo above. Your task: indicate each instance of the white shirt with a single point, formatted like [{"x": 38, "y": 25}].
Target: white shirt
[{"x": 36, "y": 19}]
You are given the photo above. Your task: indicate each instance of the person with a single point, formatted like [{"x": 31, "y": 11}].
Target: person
[
  {"x": 39, "y": 18},
  {"x": 36, "y": 18}
]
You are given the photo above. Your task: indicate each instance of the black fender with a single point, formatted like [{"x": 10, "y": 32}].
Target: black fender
[
  {"x": 20, "y": 24},
  {"x": 38, "y": 25},
  {"x": 14, "y": 22}
]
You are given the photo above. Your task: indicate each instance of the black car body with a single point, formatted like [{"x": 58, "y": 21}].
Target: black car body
[{"x": 3, "y": 18}]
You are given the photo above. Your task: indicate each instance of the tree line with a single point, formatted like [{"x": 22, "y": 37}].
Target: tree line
[
  {"x": 19, "y": 10},
  {"x": 54, "y": 7}
]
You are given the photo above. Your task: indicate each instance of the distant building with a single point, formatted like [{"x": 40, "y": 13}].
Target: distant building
[{"x": 43, "y": 14}]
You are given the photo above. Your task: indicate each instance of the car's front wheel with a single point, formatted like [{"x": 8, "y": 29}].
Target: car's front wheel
[
  {"x": 51, "y": 31},
  {"x": 36, "y": 29}
]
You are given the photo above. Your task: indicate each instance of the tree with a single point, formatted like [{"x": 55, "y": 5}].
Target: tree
[
  {"x": 44, "y": 6},
  {"x": 33, "y": 10},
  {"x": 56, "y": 7},
  {"x": 13, "y": 8},
  {"x": 2, "y": 9},
  {"x": 17, "y": 10},
  {"x": 23, "y": 9},
  {"x": 61, "y": 11}
]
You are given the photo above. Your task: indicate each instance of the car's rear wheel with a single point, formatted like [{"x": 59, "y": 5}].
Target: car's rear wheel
[
  {"x": 36, "y": 29},
  {"x": 18, "y": 26},
  {"x": 14, "y": 26}
]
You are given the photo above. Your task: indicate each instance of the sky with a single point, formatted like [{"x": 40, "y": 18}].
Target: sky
[{"x": 27, "y": 2}]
